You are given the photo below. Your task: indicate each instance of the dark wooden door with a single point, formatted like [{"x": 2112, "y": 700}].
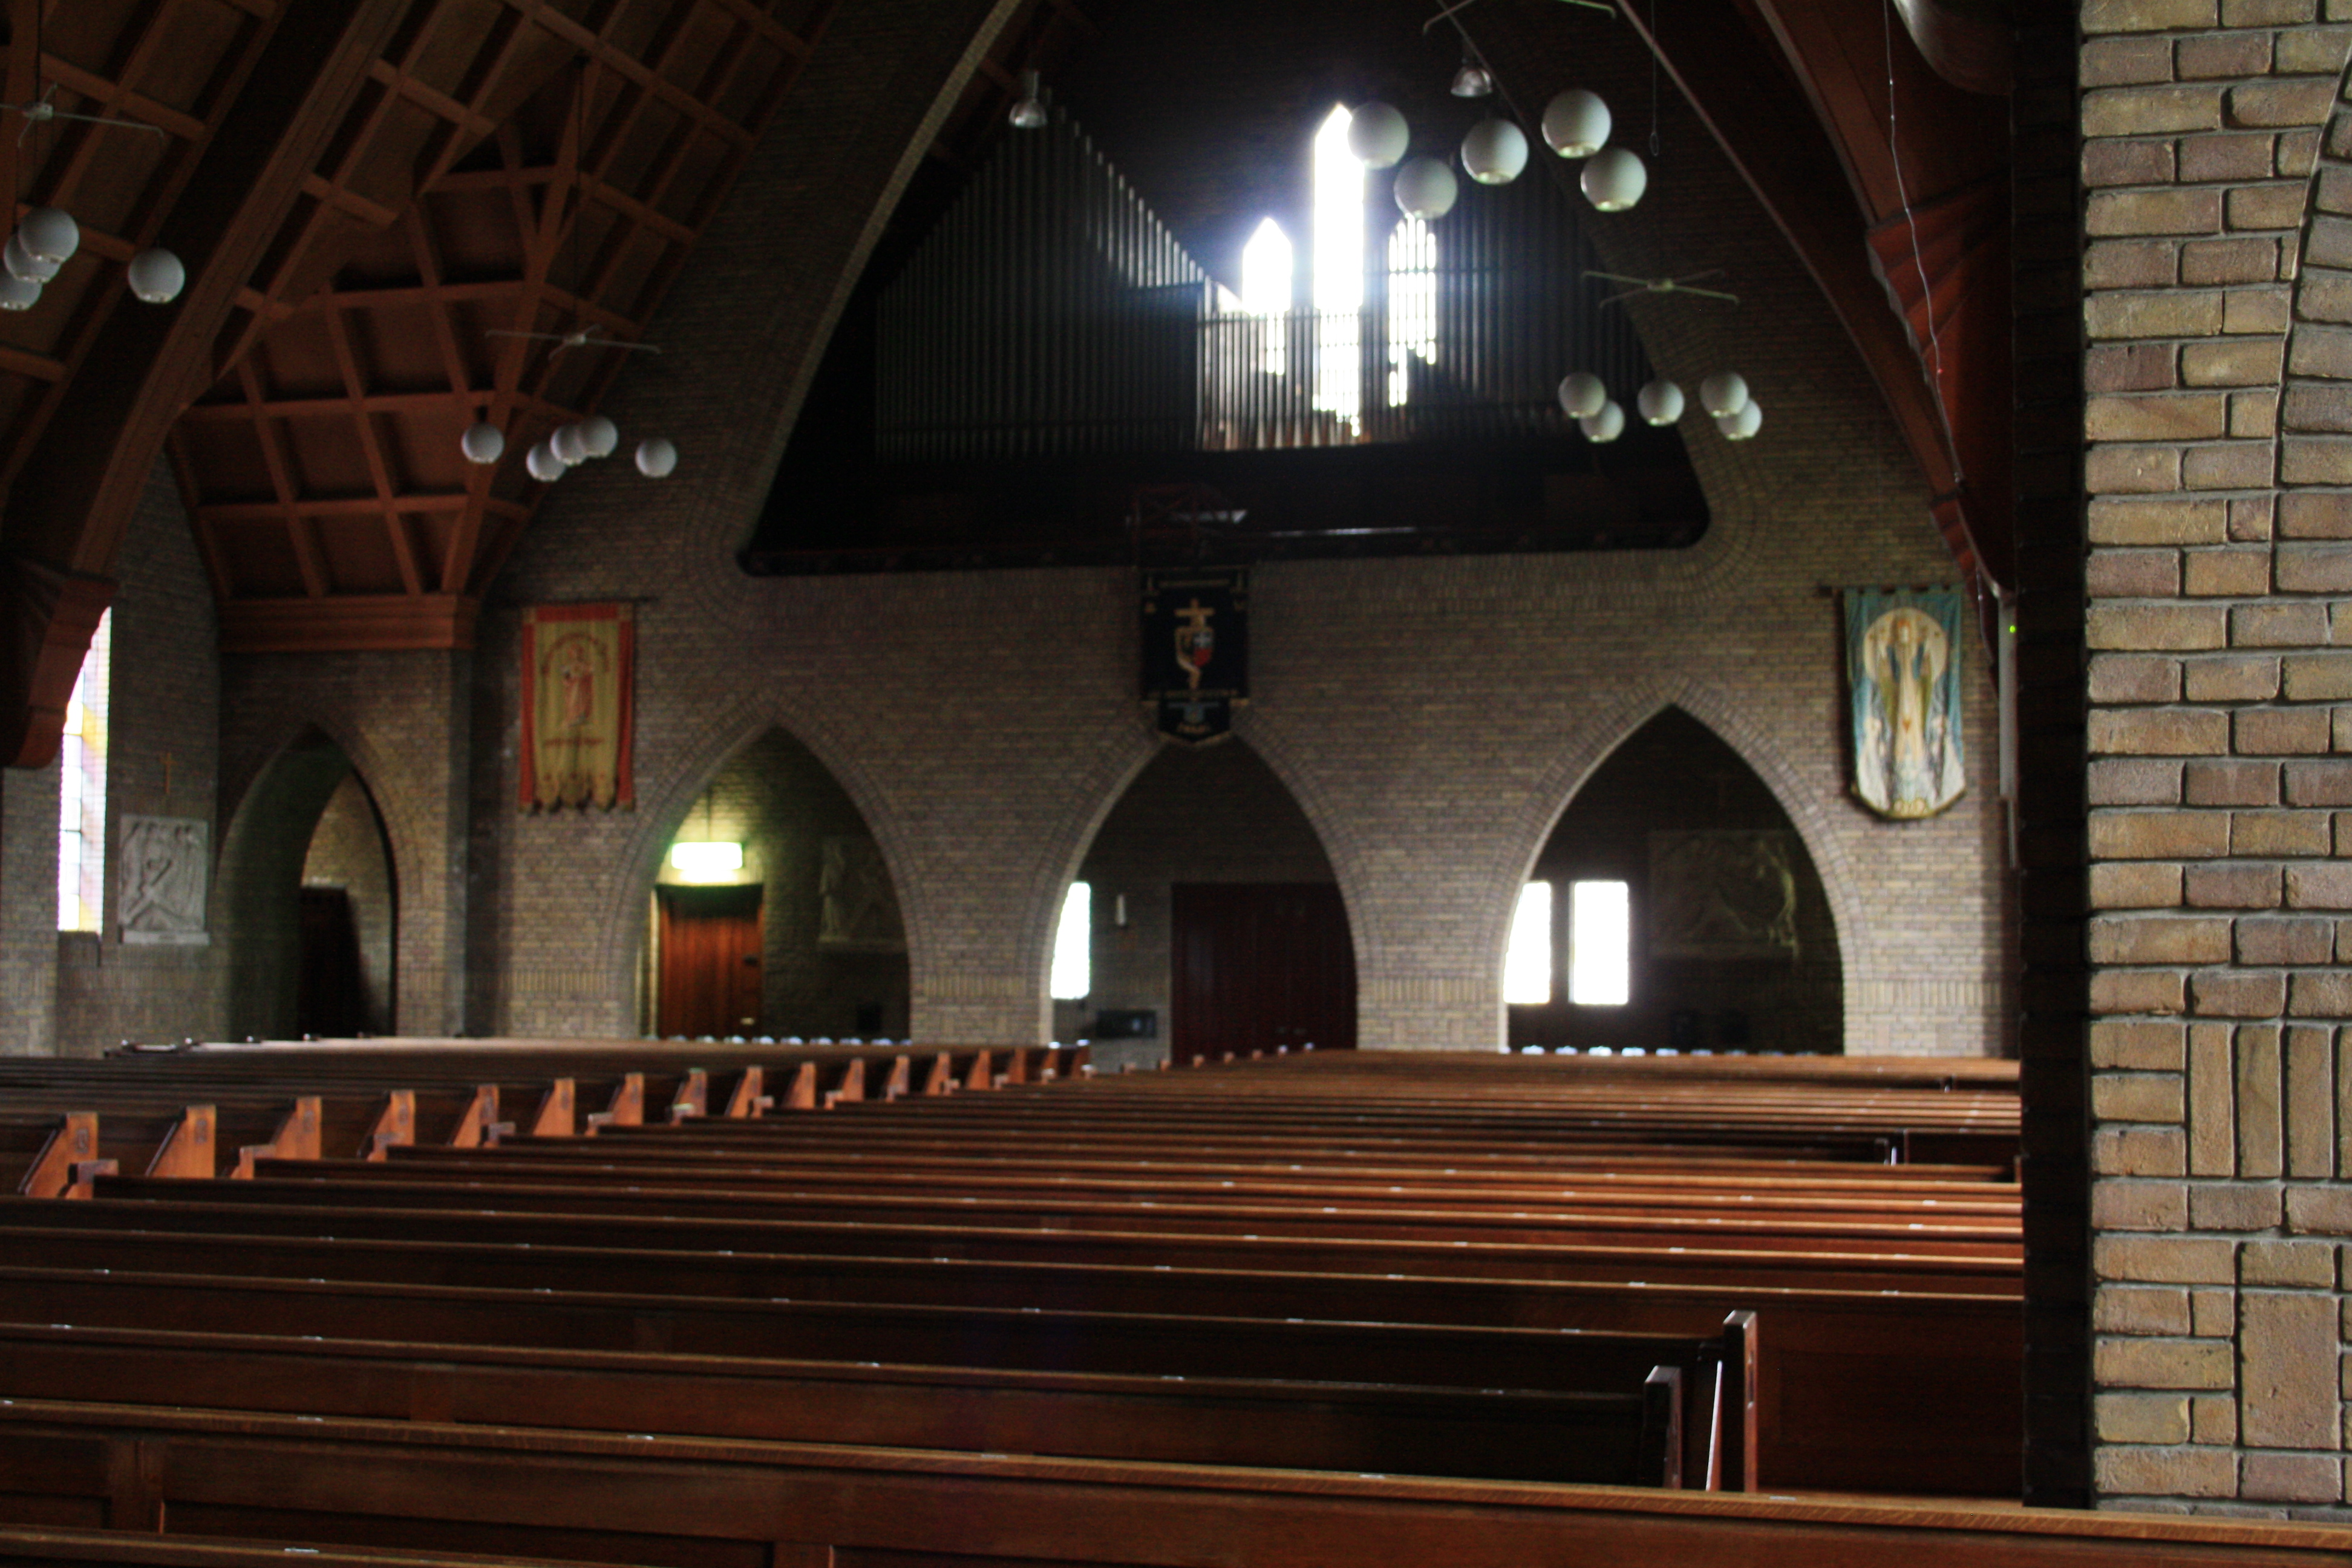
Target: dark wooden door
[
  {"x": 1260, "y": 964},
  {"x": 329, "y": 998},
  {"x": 710, "y": 961}
]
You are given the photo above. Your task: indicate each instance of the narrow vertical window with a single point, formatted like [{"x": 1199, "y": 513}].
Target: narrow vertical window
[
  {"x": 1268, "y": 268},
  {"x": 1600, "y": 945},
  {"x": 1412, "y": 304},
  {"x": 1527, "y": 962},
  {"x": 1073, "y": 941},
  {"x": 81, "y": 789},
  {"x": 1339, "y": 270}
]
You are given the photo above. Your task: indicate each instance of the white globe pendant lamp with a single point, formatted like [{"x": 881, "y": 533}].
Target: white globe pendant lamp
[
  {"x": 1724, "y": 393},
  {"x": 1576, "y": 123},
  {"x": 1425, "y": 189},
  {"x": 50, "y": 234},
  {"x": 22, "y": 263},
  {"x": 157, "y": 276},
  {"x": 1605, "y": 425},
  {"x": 544, "y": 465},
  {"x": 1742, "y": 425},
  {"x": 17, "y": 293},
  {"x": 599, "y": 436},
  {"x": 569, "y": 450},
  {"x": 1614, "y": 179},
  {"x": 483, "y": 443},
  {"x": 1494, "y": 152},
  {"x": 1377, "y": 135},
  {"x": 1582, "y": 395},
  {"x": 657, "y": 457},
  {"x": 1660, "y": 402}
]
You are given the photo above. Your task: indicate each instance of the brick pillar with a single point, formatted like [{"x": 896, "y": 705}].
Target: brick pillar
[
  {"x": 2048, "y": 885},
  {"x": 2214, "y": 599}
]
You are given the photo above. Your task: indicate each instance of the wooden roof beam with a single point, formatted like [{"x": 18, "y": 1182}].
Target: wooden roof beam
[{"x": 66, "y": 516}]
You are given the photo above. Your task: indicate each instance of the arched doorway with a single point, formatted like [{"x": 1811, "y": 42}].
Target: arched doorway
[
  {"x": 1218, "y": 923},
  {"x": 773, "y": 911},
  {"x": 309, "y": 890},
  {"x": 1728, "y": 942},
  {"x": 348, "y": 909}
]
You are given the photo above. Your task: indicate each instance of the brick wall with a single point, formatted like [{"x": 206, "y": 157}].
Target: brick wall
[{"x": 2216, "y": 268}]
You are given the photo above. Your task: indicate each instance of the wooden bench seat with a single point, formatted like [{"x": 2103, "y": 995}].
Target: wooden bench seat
[
  {"x": 1631, "y": 1438},
  {"x": 673, "y": 1500},
  {"x": 1838, "y": 1391},
  {"x": 32, "y": 1546}
]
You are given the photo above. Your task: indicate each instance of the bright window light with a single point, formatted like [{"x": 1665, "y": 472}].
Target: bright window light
[
  {"x": 1412, "y": 304},
  {"x": 1267, "y": 268},
  {"x": 1600, "y": 945},
  {"x": 704, "y": 862},
  {"x": 1339, "y": 268},
  {"x": 1073, "y": 945},
  {"x": 81, "y": 788},
  {"x": 1527, "y": 964}
]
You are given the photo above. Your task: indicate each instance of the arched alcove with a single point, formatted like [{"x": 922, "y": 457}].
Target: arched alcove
[
  {"x": 1218, "y": 923},
  {"x": 348, "y": 906},
  {"x": 803, "y": 936},
  {"x": 1732, "y": 943},
  {"x": 308, "y": 815}
]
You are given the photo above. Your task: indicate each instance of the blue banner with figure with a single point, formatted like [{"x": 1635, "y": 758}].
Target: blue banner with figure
[{"x": 1903, "y": 668}]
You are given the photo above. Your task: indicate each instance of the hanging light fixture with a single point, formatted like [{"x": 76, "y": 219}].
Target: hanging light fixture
[
  {"x": 1660, "y": 402},
  {"x": 544, "y": 465},
  {"x": 657, "y": 457},
  {"x": 1605, "y": 425},
  {"x": 50, "y": 234},
  {"x": 1614, "y": 179},
  {"x": 16, "y": 294},
  {"x": 1723, "y": 393},
  {"x": 1425, "y": 189},
  {"x": 599, "y": 436},
  {"x": 483, "y": 443},
  {"x": 1582, "y": 395},
  {"x": 1743, "y": 425},
  {"x": 1576, "y": 123},
  {"x": 22, "y": 264},
  {"x": 1029, "y": 113},
  {"x": 157, "y": 276},
  {"x": 569, "y": 450},
  {"x": 1378, "y": 135},
  {"x": 1494, "y": 152},
  {"x": 1473, "y": 79}
]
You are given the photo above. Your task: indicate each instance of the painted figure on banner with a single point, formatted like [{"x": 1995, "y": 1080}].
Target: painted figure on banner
[
  {"x": 577, "y": 717},
  {"x": 1902, "y": 664},
  {"x": 1195, "y": 650}
]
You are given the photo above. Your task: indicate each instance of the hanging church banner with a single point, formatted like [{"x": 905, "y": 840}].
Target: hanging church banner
[
  {"x": 1195, "y": 650},
  {"x": 578, "y": 672},
  {"x": 1903, "y": 666}
]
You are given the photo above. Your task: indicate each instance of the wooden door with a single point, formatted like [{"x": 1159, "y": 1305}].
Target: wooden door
[
  {"x": 710, "y": 961},
  {"x": 330, "y": 999},
  {"x": 1260, "y": 964}
]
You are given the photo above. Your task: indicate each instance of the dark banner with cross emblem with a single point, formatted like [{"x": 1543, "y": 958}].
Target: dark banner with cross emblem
[{"x": 1195, "y": 649}]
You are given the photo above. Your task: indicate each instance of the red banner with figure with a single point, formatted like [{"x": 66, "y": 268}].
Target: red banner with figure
[{"x": 578, "y": 675}]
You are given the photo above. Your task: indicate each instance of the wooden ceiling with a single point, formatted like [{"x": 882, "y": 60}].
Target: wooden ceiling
[{"x": 370, "y": 194}]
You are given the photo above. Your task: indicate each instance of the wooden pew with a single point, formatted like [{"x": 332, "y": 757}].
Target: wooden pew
[
  {"x": 32, "y": 1546},
  {"x": 648, "y": 1499},
  {"x": 1628, "y": 1438}
]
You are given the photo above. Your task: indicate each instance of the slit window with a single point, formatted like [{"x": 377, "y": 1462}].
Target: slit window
[
  {"x": 1526, "y": 961},
  {"x": 1600, "y": 945},
  {"x": 81, "y": 788},
  {"x": 1073, "y": 975}
]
